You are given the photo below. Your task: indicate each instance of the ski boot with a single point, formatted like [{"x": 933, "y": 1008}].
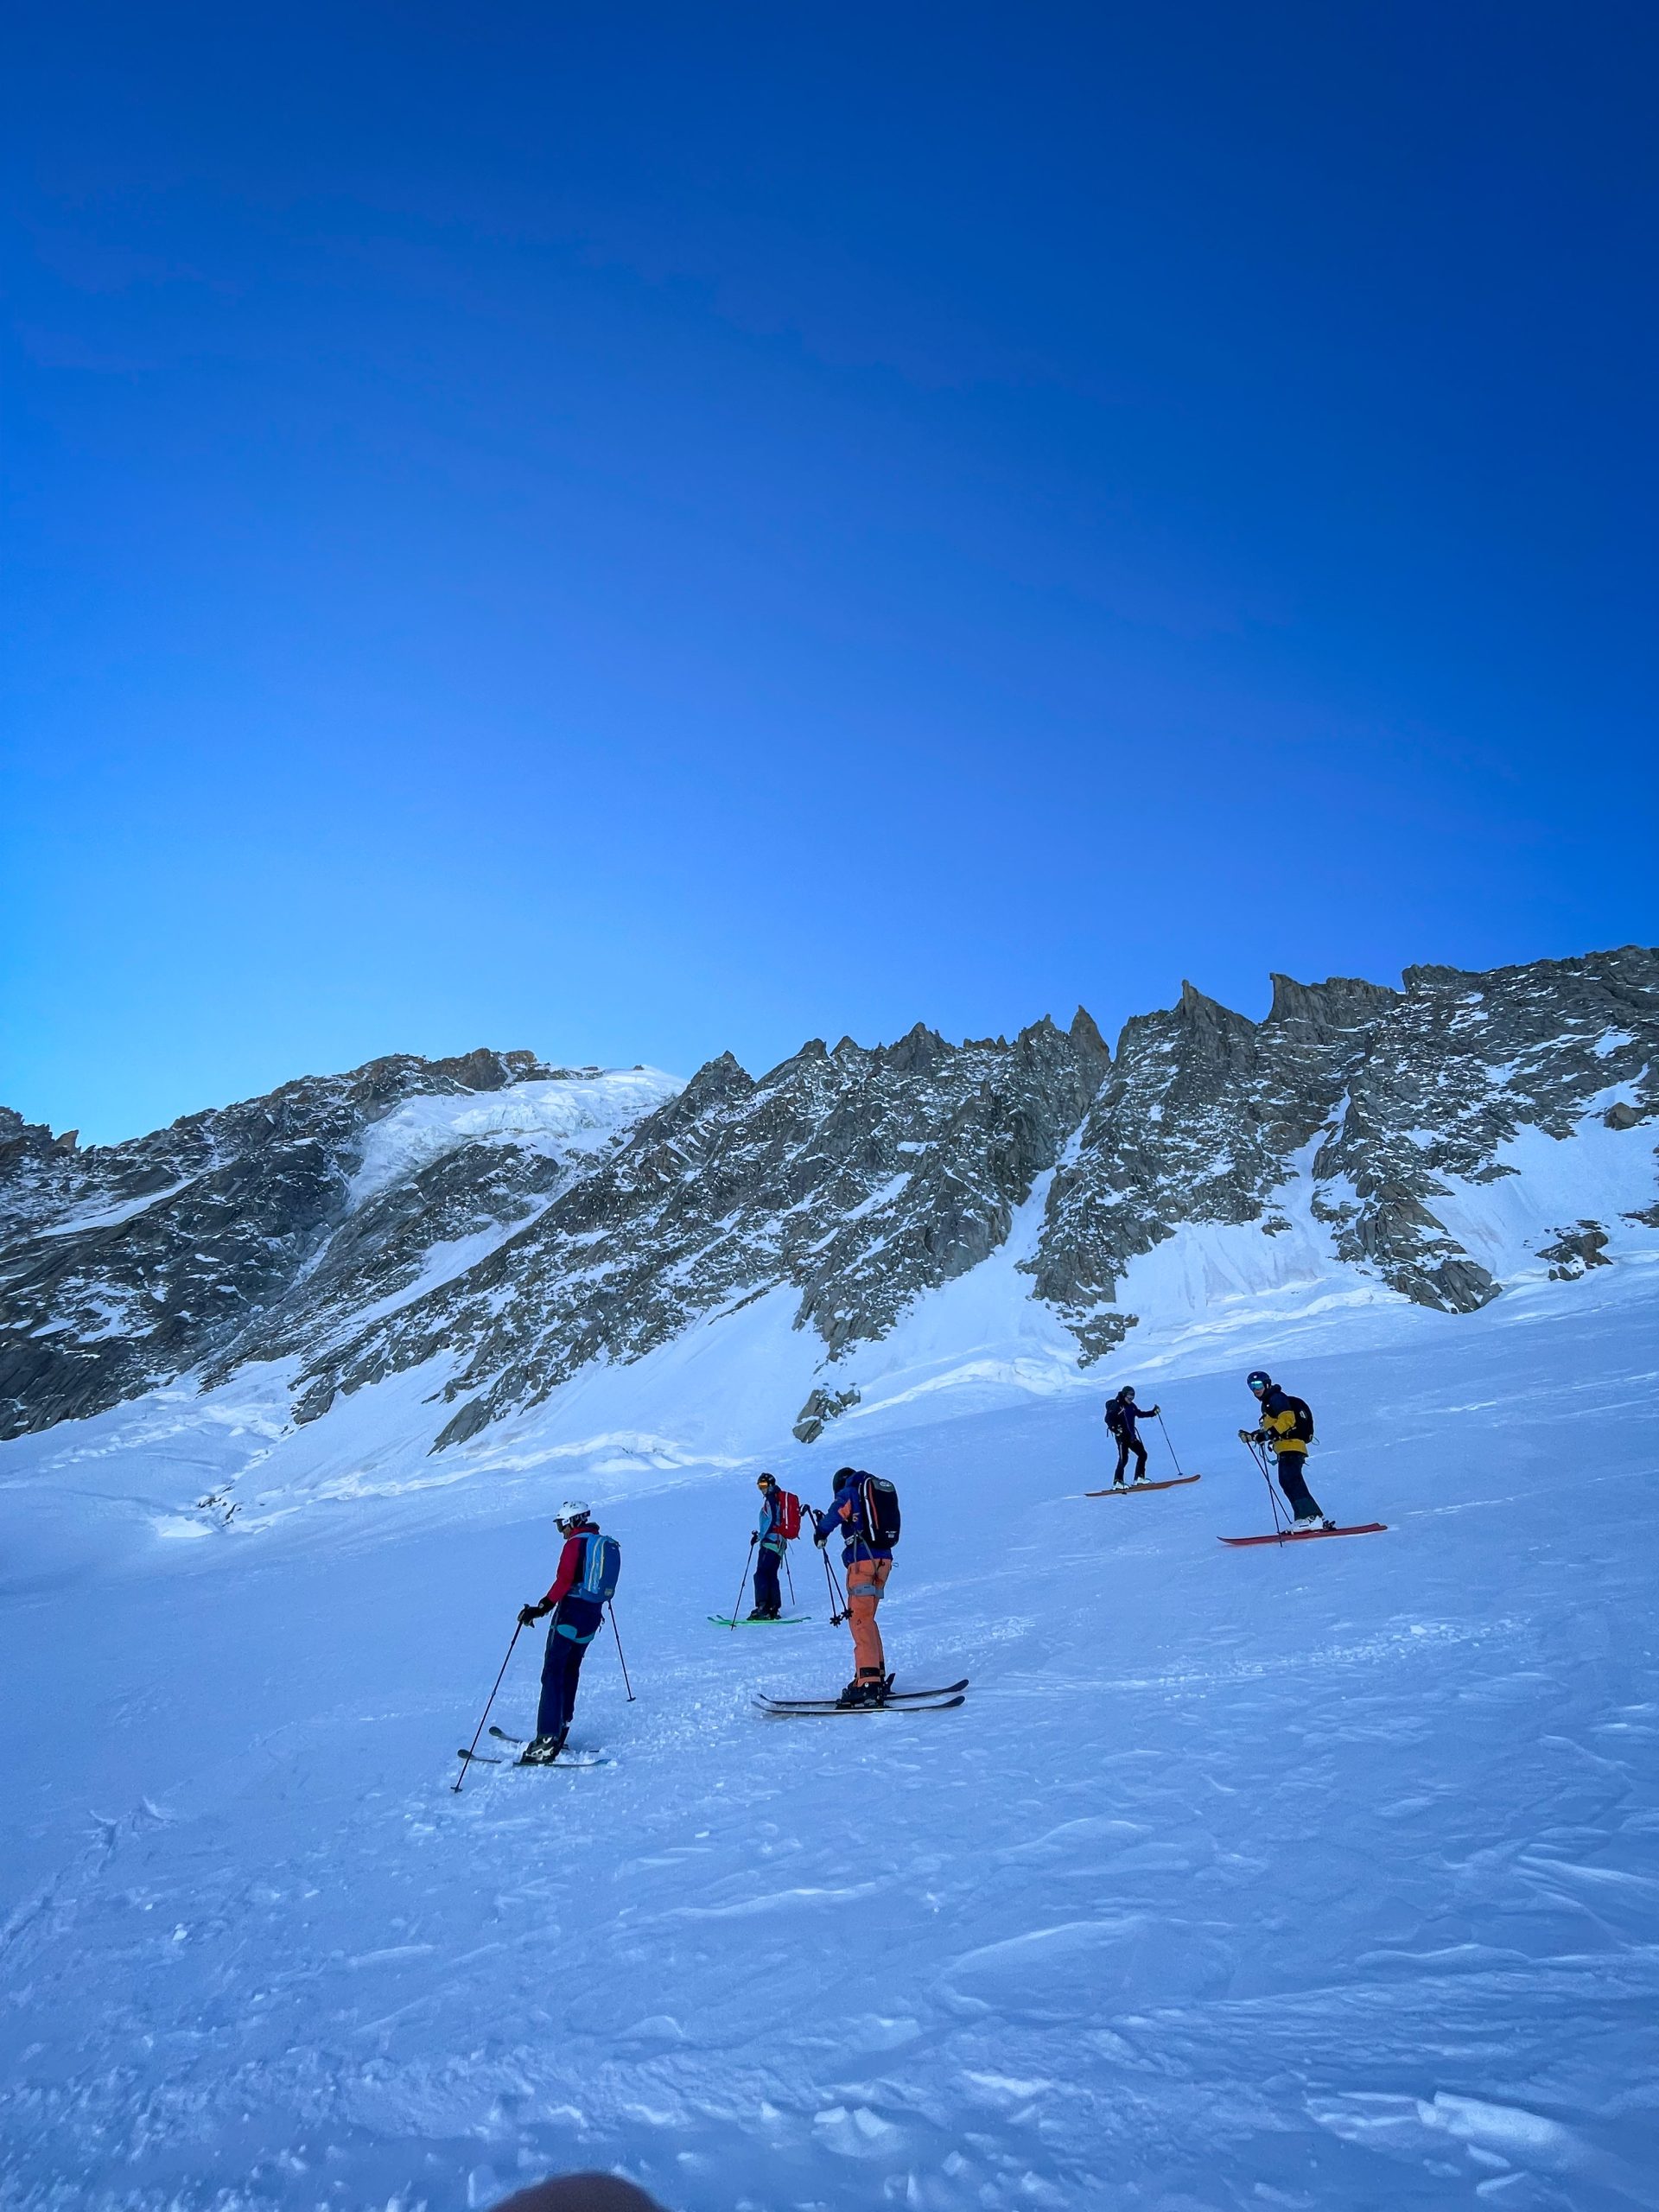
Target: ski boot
[
  {"x": 870, "y": 1686},
  {"x": 542, "y": 1750}
]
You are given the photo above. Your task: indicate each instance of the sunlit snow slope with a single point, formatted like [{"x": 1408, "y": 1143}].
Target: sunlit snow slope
[{"x": 1324, "y": 1879}]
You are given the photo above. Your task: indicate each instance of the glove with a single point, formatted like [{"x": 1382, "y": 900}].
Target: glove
[
  {"x": 528, "y": 1614},
  {"x": 1155, "y": 1412},
  {"x": 820, "y": 1537}
]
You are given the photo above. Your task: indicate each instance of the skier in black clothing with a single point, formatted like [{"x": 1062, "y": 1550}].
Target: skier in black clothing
[
  {"x": 1121, "y": 1414},
  {"x": 1287, "y": 1425}
]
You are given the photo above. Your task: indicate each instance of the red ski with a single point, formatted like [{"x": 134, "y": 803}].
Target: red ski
[
  {"x": 1308, "y": 1536},
  {"x": 1173, "y": 1482}
]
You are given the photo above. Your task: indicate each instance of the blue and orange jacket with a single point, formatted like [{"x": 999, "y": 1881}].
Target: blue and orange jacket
[{"x": 846, "y": 1518}]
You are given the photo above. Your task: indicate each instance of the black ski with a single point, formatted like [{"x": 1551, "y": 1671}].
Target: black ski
[
  {"x": 893, "y": 1697},
  {"x": 808, "y": 1711},
  {"x": 479, "y": 1758}
]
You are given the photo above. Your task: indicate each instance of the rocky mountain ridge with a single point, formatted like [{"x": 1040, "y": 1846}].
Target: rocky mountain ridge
[{"x": 511, "y": 1223}]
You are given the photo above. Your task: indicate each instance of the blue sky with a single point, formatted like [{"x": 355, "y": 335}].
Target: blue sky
[{"x": 641, "y": 531}]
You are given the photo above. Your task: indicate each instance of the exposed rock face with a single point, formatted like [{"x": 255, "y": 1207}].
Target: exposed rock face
[{"x": 557, "y": 1218}]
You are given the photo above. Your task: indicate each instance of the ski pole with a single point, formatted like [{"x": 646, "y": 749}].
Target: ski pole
[
  {"x": 1165, "y": 1427},
  {"x": 837, "y": 1603},
  {"x": 1260, "y": 1456},
  {"x": 789, "y": 1571},
  {"x": 467, "y": 1758},
  {"x": 738, "y": 1600},
  {"x": 617, "y": 1633}
]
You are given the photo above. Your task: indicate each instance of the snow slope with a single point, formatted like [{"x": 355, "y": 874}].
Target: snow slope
[{"x": 1318, "y": 1878}]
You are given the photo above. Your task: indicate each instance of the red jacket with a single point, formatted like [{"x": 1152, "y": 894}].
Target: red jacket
[{"x": 571, "y": 1560}]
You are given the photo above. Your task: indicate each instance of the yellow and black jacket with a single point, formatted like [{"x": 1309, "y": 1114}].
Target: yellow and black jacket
[{"x": 1287, "y": 1422}]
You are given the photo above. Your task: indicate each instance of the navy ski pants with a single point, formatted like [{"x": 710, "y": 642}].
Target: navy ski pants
[
  {"x": 767, "y": 1597},
  {"x": 1294, "y": 1483},
  {"x": 1125, "y": 1446},
  {"x": 575, "y": 1624}
]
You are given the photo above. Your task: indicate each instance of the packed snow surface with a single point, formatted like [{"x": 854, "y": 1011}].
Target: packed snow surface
[{"x": 1323, "y": 1877}]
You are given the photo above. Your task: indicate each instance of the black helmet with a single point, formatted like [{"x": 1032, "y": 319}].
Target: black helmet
[
  {"x": 1258, "y": 1376},
  {"x": 1128, "y": 1391},
  {"x": 845, "y": 1474},
  {"x": 765, "y": 1481}
]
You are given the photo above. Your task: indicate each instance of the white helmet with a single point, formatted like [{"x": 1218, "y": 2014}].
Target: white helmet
[{"x": 574, "y": 1509}]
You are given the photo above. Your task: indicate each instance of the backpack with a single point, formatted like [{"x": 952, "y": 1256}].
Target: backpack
[
  {"x": 788, "y": 1521},
  {"x": 1115, "y": 1417},
  {"x": 600, "y": 1569},
  {"x": 1303, "y": 1431},
  {"x": 878, "y": 1505}
]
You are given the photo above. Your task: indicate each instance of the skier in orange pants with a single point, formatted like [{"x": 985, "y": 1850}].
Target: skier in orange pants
[{"x": 864, "y": 1514}]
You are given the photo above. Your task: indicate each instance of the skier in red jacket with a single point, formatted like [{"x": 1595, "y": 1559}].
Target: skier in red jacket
[{"x": 576, "y": 1601}]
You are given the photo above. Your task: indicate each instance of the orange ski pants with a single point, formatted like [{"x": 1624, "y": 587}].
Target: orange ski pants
[{"x": 866, "y": 1580}]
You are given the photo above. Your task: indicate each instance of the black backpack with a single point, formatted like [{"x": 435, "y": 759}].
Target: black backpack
[
  {"x": 879, "y": 1505},
  {"x": 1303, "y": 1431},
  {"x": 1116, "y": 1416}
]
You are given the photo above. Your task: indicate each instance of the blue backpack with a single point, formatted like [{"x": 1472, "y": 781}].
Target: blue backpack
[{"x": 600, "y": 1569}]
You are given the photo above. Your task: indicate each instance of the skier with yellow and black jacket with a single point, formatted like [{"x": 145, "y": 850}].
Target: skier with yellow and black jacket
[{"x": 1288, "y": 1425}]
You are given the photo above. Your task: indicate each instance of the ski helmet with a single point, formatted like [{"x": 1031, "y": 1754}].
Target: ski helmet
[
  {"x": 1128, "y": 1391},
  {"x": 765, "y": 1481},
  {"x": 845, "y": 1475},
  {"x": 572, "y": 1511},
  {"x": 1258, "y": 1378}
]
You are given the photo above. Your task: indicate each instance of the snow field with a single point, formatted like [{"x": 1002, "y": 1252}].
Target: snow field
[{"x": 1321, "y": 1877}]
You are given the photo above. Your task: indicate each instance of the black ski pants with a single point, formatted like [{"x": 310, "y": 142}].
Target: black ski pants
[
  {"x": 1125, "y": 1446},
  {"x": 767, "y": 1597},
  {"x": 575, "y": 1624},
  {"x": 1294, "y": 1483}
]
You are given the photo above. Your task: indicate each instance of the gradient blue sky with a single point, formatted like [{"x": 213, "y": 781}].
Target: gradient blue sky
[{"x": 636, "y": 530}]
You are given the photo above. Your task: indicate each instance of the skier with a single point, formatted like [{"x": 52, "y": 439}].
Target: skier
[
  {"x": 866, "y": 1555},
  {"x": 1121, "y": 1414},
  {"x": 770, "y": 1540},
  {"x": 1287, "y": 1425},
  {"x": 588, "y": 1572}
]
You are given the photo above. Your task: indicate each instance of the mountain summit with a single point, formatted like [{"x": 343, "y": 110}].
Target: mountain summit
[{"x": 511, "y": 1225}]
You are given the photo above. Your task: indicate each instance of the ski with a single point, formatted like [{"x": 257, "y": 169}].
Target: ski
[
  {"x": 895, "y": 1697},
  {"x": 783, "y": 1620},
  {"x": 1173, "y": 1482},
  {"x": 1307, "y": 1535},
  {"x": 479, "y": 1758},
  {"x": 518, "y": 1742},
  {"x": 800, "y": 1711}
]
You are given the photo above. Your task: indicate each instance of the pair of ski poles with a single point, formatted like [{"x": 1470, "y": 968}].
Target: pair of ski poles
[
  {"x": 490, "y": 1700},
  {"x": 1258, "y": 1454},
  {"x": 743, "y": 1584}
]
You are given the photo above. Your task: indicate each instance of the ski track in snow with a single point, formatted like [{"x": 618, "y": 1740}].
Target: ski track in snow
[{"x": 1318, "y": 1878}]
